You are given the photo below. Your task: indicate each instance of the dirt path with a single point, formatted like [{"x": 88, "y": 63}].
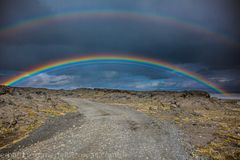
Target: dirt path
[{"x": 109, "y": 132}]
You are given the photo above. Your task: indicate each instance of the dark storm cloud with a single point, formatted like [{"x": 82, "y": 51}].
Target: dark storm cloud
[
  {"x": 228, "y": 79},
  {"x": 159, "y": 41},
  {"x": 116, "y": 35},
  {"x": 44, "y": 43},
  {"x": 15, "y": 10}
]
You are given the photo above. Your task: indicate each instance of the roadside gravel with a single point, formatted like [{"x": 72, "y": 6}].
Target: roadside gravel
[{"x": 104, "y": 132}]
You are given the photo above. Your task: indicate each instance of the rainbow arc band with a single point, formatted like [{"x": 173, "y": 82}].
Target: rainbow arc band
[
  {"x": 98, "y": 58},
  {"x": 27, "y": 24}
]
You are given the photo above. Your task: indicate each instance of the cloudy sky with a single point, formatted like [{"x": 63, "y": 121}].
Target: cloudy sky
[{"x": 202, "y": 36}]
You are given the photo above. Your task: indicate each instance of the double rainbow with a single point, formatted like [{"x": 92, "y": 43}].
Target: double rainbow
[
  {"x": 149, "y": 18},
  {"x": 98, "y": 58}
]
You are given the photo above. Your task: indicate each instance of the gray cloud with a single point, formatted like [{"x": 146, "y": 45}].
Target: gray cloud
[
  {"x": 138, "y": 37},
  {"x": 118, "y": 76}
]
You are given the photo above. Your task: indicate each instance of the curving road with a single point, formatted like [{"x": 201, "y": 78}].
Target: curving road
[{"x": 109, "y": 132}]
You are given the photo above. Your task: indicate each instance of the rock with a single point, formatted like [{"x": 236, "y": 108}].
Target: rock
[
  {"x": 28, "y": 97},
  {"x": 153, "y": 108},
  {"x": 3, "y": 90},
  {"x": 41, "y": 93},
  {"x": 195, "y": 93},
  {"x": 6, "y": 90},
  {"x": 2, "y": 101},
  {"x": 238, "y": 103}
]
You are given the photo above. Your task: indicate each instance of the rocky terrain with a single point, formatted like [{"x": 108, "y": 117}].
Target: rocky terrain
[
  {"x": 210, "y": 126},
  {"x": 24, "y": 109}
]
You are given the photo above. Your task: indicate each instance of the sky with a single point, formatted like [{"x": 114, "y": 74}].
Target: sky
[{"x": 202, "y": 36}]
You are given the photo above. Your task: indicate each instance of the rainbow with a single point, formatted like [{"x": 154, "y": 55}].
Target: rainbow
[
  {"x": 99, "y": 58},
  {"x": 60, "y": 18}
]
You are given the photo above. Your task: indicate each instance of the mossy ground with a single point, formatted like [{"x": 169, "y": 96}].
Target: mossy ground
[
  {"x": 212, "y": 126},
  {"x": 22, "y": 111}
]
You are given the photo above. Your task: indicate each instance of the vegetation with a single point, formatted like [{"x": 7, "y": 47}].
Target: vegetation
[{"x": 23, "y": 110}]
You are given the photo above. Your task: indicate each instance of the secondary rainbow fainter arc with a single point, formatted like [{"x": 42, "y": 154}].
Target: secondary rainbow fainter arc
[
  {"x": 97, "y": 58},
  {"x": 26, "y": 24}
]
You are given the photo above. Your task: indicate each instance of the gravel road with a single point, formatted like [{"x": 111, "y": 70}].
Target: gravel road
[{"x": 108, "y": 132}]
